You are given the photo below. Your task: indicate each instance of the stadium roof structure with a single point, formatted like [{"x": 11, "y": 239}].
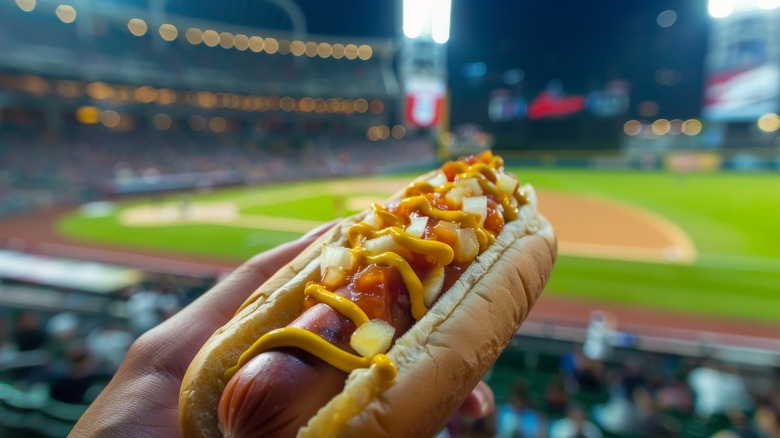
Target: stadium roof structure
[{"x": 117, "y": 43}]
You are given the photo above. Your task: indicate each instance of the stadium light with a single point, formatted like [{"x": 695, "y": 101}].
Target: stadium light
[
  {"x": 724, "y": 8},
  {"x": 427, "y": 18}
]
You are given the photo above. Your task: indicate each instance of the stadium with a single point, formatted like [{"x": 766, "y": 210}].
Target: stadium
[{"x": 148, "y": 148}]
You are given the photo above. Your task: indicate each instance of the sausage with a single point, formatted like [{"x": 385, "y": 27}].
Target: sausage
[{"x": 278, "y": 391}]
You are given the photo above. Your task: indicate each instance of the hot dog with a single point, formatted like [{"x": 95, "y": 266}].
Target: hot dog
[{"x": 444, "y": 274}]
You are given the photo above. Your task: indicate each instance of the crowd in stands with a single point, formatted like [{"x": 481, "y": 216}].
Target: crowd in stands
[
  {"x": 66, "y": 358},
  {"x": 110, "y": 52},
  {"x": 556, "y": 391},
  {"x": 633, "y": 394},
  {"x": 40, "y": 170}
]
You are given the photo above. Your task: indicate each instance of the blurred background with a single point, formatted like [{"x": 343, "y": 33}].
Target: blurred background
[{"x": 148, "y": 147}]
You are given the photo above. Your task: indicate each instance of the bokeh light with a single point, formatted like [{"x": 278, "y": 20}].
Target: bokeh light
[
  {"x": 324, "y": 50},
  {"x": 26, "y": 5},
  {"x": 350, "y": 51},
  {"x": 110, "y": 118},
  {"x": 632, "y": 127},
  {"x": 287, "y": 104},
  {"x": 226, "y": 40},
  {"x": 361, "y": 105},
  {"x": 666, "y": 18},
  {"x": 168, "y": 32},
  {"x": 210, "y": 38},
  {"x": 162, "y": 122},
  {"x": 365, "y": 52},
  {"x": 648, "y": 108},
  {"x": 145, "y": 94},
  {"x": 691, "y": 127},
  {"x": 306, "y": 105},
  {"x": 218, "y": 124},
  {"x": 66, "y": 13},
  {"x": 271, "y": 45},
  {"x": 256, "y": 44},
  {"x": 338, "y": 50},
  {"x": 137, "y": 26},
  {"x": 311, "y": 49},
  {"x": 194, "y": 35},
  {"x": 98, "y": 90},
  {"x": 284, "y": 47},
  {"x": 241, "y": 42},
  {"x": 377, "y": 106},
  {"x": 297, "y": 48},
  {"x": 769, "y": 122},
  {"x": 196, "y": 123},
  {"x": 661, "y": 127},
  {"x": 88, "y": 115}
]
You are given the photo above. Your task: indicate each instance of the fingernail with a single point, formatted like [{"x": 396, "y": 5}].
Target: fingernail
[{"x": 482, "y": 400}]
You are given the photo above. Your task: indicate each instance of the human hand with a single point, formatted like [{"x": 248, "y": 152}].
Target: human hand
[{"x": 142, "y": 398}]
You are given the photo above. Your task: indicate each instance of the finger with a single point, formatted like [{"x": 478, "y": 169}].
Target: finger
[{"x": 480, "y": 403}]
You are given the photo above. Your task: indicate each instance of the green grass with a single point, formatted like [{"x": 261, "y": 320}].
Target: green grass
[
  {"x": 214, "y": 241},
  {"x": 733, "y": 219}
]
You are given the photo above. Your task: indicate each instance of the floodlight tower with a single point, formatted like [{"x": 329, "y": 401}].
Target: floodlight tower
[
  {"x": 423, "y": 65},
  {"x": 742, "y": 68}
]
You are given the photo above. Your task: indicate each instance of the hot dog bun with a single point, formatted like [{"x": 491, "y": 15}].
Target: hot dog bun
[{"x": 439, "y": 360}]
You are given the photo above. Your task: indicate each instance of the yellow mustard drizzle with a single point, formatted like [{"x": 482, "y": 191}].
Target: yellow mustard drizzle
[
  {"x": 342, "y": 305},
  {"x": 312, "y": 343},
  {"x": 484, "y": 237},
  {"x": 414, "y": 200},
  {"x": 443, "y": 252}
]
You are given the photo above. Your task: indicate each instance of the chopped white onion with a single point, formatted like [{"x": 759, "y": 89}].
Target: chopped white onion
[
  {"x": 334, "y": 256},
  {"x": 476, "y": 205},
  {"x": 466, "y": 245},
  {"x": 470, "y": 183},
  {"x": 373, "y": 219},
  {"x": 455, "y": 195},
  {"x": 334, "y": 277},
  {"x": 438, "y": 180},
  {"x": 433, "y": 285},
  {"x": 417, "y": 227},
  {"x": 372, "y": 338},
  {"x": 446, "y": 231},
  {"x": 507, "y": 184},
  {"x": 386, "y": 243}
]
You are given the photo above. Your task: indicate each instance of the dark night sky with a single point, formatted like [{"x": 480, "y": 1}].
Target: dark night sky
[{"x": 582, "y": 44}]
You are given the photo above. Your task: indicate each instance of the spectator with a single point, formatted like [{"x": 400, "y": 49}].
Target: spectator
[
  {"x": 7, "y": 347},
  {"x": 574, "y": 425},
  {"x": 600, "y": 336},
  {"x": 556, "y": 398},
  {"x": 717, "y": 389},
  {"x": 673, "y": 395},
  {"x": 144, "y": 310},
  {"x": 648, "y": 419},
  {"x": 517, "y": 418},
  {"x": 62, "y": 330},
  {"x": 582, "y": 372},
  {"x": 29, "y": 333},
  {"x": 618, "y": 414},
  {"x": 767, "y": 419},
  {"x": 109, "y": 344},
  {"x": 69, "y": 382}
]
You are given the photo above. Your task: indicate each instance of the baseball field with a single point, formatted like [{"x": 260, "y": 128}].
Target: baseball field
[{"x": 698, "y": 243}]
